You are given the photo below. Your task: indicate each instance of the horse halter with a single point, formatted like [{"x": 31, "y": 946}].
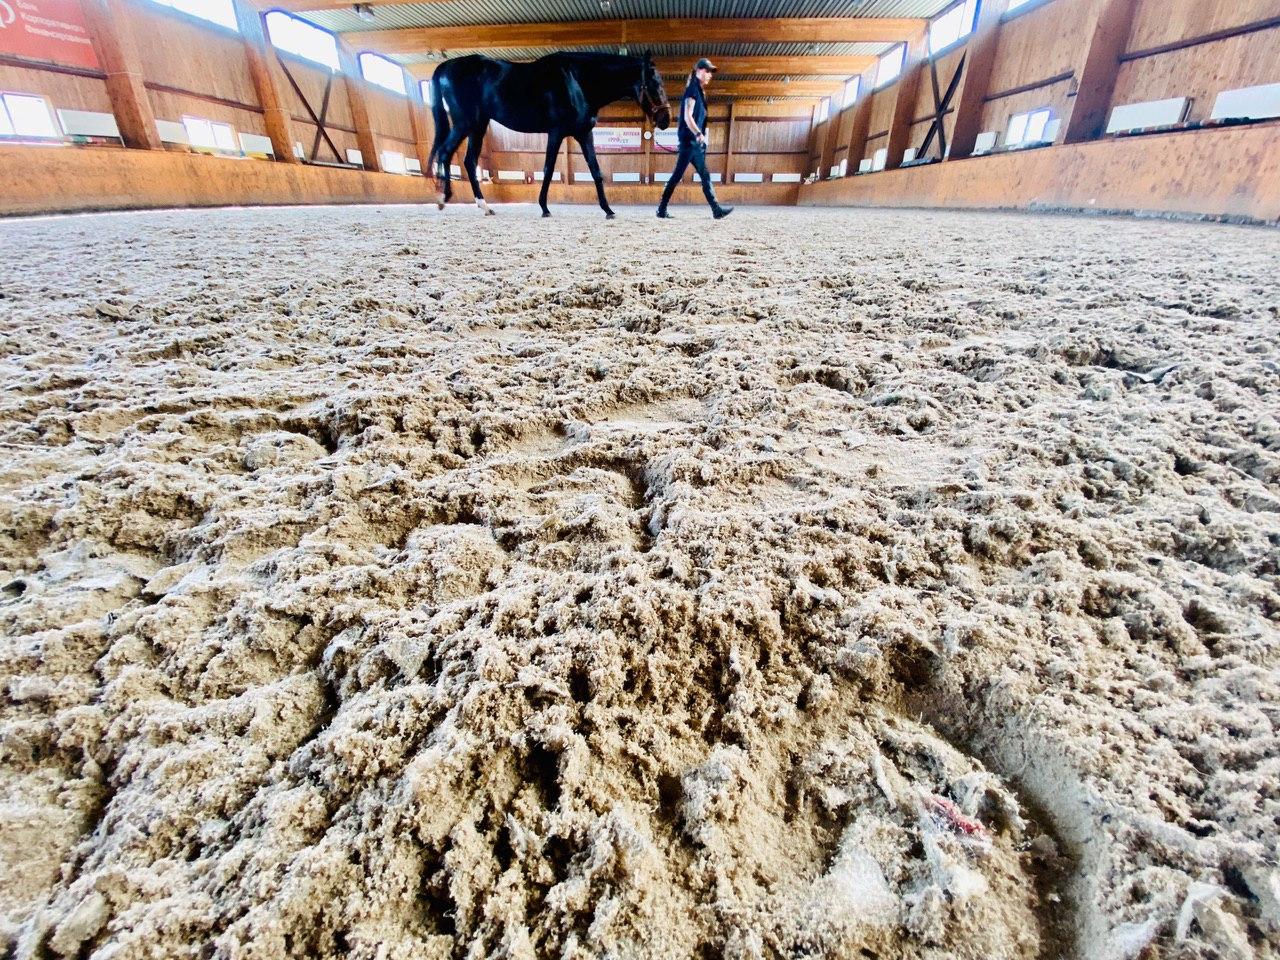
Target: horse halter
[{"x": 648, "y": 104}]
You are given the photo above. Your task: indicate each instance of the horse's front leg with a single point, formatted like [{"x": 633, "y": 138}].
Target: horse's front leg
[
  {"x": 589, "y": 152},
  {"x": 548, "y": 169},
  {"x": 474, "y": 145}
]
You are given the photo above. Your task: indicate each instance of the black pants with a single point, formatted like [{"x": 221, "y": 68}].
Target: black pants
[{"x": 697, "y": 155}]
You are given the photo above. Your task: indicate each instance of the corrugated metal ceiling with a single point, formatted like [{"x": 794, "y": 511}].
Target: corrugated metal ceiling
[{"x": 462, "y": 12}]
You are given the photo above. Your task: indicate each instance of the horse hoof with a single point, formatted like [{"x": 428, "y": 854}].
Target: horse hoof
[
  {"x": 439, "y": 205},
  {"x": 546, "y": 213},
  {"x": 490, "y": 212},
  {"x": 610, "y": 216}
]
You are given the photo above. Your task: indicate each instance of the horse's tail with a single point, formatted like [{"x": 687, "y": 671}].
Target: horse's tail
[{"x": 440, "y": 117}]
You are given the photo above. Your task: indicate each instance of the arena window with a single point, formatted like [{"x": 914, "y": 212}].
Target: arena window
[
  {"x": 26, "y": 115},
  {"x": 295, "y": 35},
  {"x": 890, "y": 65},
  {"x": 211, "y": 135},
  {"x": 221, "y": 12},
  {"x": 385, "y": 73},
  {"x": 824, "y": 110},
  {"x": 1017, "y": 4},
  {"x": 852, "y": 87},
  {"x": 952, "y": 25},
  {"x": 1027, "y": 128}
]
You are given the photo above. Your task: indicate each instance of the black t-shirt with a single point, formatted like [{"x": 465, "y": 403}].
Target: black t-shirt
[{"x": 694, "y": 91}]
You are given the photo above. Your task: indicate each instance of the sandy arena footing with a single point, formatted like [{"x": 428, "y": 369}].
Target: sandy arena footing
[{"x": 386, "y": 583}]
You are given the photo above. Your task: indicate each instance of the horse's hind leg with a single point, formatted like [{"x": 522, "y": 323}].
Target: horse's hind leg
[
  {"x": 474, "y": 146},
  {"x": 553, "y": 151},
  {"x": 445, "y": 158},
  {"x": 589, "y": 152}
]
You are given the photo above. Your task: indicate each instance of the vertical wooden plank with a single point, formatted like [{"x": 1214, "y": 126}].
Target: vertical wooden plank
[
  {"x": 905, "y": 93},
  {"x": 649, "y": 133},
  {"x": 816, "y": 131},
  {"x": 728, "y": 145},
  {"x": 258, "y": 54},
  {"x": 1105, "y": 41},
  {"x": 420, "y": 121},
  {"x": 829, "y": 141},
  {"x": 861, "y": 125},
  {"x": 113, "y": 40},
  {"x": 980, "y": 54},
  {"x": 355, "y": 82},
  {"x": 568, "y": 162}
]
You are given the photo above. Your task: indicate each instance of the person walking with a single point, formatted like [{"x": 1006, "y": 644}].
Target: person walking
[{"x": 693, "y": 141}]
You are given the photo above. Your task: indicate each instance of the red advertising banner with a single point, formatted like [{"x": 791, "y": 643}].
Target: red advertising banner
[{"x": 52, "y": 30}]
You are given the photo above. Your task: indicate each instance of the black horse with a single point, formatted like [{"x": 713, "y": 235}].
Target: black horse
[{"x": 559, "y": 95}]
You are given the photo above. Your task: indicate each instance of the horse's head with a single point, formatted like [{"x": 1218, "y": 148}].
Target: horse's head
[{"x": 651, "y": 95}]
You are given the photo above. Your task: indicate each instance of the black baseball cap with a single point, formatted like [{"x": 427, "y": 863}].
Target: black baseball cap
[{"x": 705, "y": 64}]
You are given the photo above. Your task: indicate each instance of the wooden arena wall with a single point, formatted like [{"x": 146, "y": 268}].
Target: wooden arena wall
[
  {"x": 191, "y": 67},
  {"x": 1229, "y": 173},
  {"x": 1193, "y": 48},
  {"x": 1173, "y": 48}
]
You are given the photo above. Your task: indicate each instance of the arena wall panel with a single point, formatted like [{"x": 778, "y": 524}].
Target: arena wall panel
[
  {"x": 62, "y": 90},
  {"x": 60, "y": 180},
  {"x": 1229, "y": 172}
]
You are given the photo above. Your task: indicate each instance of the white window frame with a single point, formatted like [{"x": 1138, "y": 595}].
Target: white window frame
[
  {"x": 856, "y": 83},
  {"x": 965, "y": 14},
  {"x": 222, "y": 136},
  {"x": 292, "y": 34},
  {"x": 824, "y": 110},
  {"x": 9, "y": 128},
  {"x": 224, "y": 17},
  {"x": 898, "y": 57},
  {"x": 385, "y": 82},
  {"x": 1024, "y": 123},
  {"x": 1015, "y": 5}
]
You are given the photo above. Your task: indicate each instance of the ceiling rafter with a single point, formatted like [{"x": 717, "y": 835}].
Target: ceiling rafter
[
  {"x": 737, "y": 67},
  {"x": 708, "y": 30}
]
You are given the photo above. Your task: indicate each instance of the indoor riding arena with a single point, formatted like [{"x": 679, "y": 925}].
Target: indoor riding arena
[{"x": 875, "y": 558}]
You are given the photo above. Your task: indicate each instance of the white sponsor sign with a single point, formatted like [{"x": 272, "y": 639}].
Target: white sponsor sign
[
  {"x": 617, "y": 138},
  {"x": 668, "y": 139}
]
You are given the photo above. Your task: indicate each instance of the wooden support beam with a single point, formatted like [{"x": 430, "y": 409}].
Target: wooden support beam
[
  {"x": 1105, "y": 40},
  {"x": 769, "y": 66},
  {"x": 904, "y": 99},
  {"x": 648, "y": 135},
  {"x": 259, "y": 57},
  {"x": 861, "y": 119},
  {"x": 355, "y": 82},
  {"x": 741, "y": 67},
  {"x": 728, "y": 145},
  {"x": 422, "y": 127},
  {"x": 113, "y": 41},
  {"x": 816, "y": 130},
  {"x": 802, "y": 89},
  {"x": 636, "y": 33},
  {"x": 975, "y": 84},
  {"x": 826, "y": 145}
]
